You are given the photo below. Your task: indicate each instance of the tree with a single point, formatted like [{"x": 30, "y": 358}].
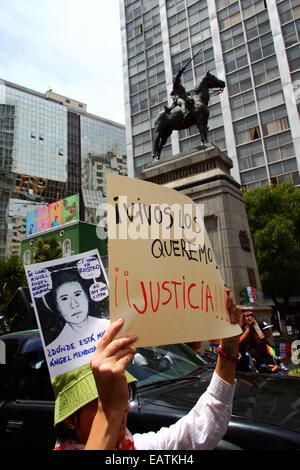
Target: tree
[
  {"x": 12, "y": 276},
  {"x": 47, "y": 249},
  {"x": 274, "y": 219}
]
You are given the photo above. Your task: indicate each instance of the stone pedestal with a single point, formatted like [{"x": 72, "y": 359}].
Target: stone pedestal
[{"x": 203, "y": 174}]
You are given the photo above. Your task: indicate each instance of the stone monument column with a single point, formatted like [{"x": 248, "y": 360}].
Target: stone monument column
[{"x": 203, "y": 174}]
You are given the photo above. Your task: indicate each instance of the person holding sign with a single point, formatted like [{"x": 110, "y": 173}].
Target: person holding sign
[{"x": 102, "y": 423}]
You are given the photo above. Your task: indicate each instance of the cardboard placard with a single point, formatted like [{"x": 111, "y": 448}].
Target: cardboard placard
[
  {"x": 163, "y": 277},
  {"x": 70, "y": 299}
]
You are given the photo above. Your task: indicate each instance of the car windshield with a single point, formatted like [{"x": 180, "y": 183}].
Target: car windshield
[{"x": 161, "y": 363}]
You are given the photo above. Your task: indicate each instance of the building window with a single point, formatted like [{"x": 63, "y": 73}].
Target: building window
[
  {"x": 138, "y": 83},
  {"x": 66, "y": 248},
  {"x": 261, "y": 47},
  {"x": 156, "y": 74},
  {"x": 283, "y": 167},
  {"x": 232, "y": 37},
  {"x": 257, "y": 25},
  {"x": 274, "y": 120},
  {"x": 254, "y": 133},
  {"x": 247, "y": 130},
  {"x": 250, "y": 7},
  {"x": 265, "y": 70},
  {"x": 242, "y": 105},
  {"x": 139, "y": 102},
  {"x": 254, "y": 175},
  {"x": 142, "y": 143},
  {"x": 291, "y": 33},
  {"x": 27, "y": 257},
  {"x": 235, "y": 59},
  {"x": 293, "y": 58},
  {"x": 279, "y": 147},
  {"x": 174, "y": 6},
  {"x": 238, "y": 82},
  {"x": 229, "y": 16},
  {"x": 288, "y": 10},
  {"x": 250, "y": 155},
  {"x": 269, "y": 96},
  {"x": 251, "y": 277},
  {"x": 157, "y": 94}
]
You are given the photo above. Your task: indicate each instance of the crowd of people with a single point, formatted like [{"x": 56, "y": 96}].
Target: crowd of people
[{"x": 256, "y": 351}]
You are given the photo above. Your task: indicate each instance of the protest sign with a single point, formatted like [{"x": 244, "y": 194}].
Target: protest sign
[
  {"x": 163, "y": 277},
  {"x": 70, "y": 299}
]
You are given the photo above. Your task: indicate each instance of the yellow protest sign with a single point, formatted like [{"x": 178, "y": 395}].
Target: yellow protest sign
[{"x": 163, "y": 277}]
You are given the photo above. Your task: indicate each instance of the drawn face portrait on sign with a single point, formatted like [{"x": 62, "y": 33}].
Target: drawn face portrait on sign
[
  {"x": 72, "y": 302},
  {"x": 70, "y": 298}
]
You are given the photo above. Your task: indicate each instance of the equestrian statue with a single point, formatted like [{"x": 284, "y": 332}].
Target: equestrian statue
[{"x": 186, "y": 110}]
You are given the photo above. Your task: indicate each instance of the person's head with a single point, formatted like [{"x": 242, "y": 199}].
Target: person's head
[
  {"x": 76, "y": 404},
  {"x": 266, "y": 328},
  {"x": 246, "y": 315},
  {"x": 70, "y": 297},
  {"x": 79, "y": 424}
]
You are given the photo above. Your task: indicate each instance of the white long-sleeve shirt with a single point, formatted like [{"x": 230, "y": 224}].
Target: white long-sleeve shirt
[{"x": 202, "y": 428}]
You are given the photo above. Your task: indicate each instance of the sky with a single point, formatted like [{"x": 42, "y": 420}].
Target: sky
[{"x": 70, "y": 46}]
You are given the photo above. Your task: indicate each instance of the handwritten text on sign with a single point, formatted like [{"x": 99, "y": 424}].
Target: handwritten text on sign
[
  {"x": 164, "y": 280},
  {"x": 180, "y": 295}
]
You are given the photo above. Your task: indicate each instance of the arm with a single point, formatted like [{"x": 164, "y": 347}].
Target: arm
[
  {"x": 177, "y": 79},
  {"x": 108, "y": 364},
  {"x": 247, "y": 336},
  {"x": 207, "y": 422},
  {"x": 245, "y": 340},
  {"x": 225, "y": 368}
]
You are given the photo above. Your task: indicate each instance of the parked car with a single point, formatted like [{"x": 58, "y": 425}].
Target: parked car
[{"x": 266, "y": 408}]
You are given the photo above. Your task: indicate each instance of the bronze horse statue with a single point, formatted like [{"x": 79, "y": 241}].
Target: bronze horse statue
[{"x": 198, "y": 114}]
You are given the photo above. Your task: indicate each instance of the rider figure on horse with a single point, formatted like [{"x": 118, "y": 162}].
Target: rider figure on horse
[{"x": 179, "y": 96}]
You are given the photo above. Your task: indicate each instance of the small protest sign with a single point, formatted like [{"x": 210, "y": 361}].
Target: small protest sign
[
  {"x": 164, "y": 280},
  {"x": 70, "y": 299}
]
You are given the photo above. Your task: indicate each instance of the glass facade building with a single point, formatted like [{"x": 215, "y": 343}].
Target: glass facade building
[
  {"x": 254, "y": 45},
  {"x": 51, "y": 148}
]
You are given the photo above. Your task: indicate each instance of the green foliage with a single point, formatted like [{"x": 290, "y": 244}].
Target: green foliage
[
  {"x": 274, "y": 219},
  {"x": 47, "y": 249},
  {"x": 12, "y": 276}
]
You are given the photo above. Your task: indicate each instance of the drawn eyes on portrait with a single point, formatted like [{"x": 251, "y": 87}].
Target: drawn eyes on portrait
[{"x": 68, "y": 298}]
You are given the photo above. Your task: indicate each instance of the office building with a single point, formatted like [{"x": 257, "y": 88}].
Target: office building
[
  {"x": 51, "y": 148},
  {"x": 254, "y": 45}
]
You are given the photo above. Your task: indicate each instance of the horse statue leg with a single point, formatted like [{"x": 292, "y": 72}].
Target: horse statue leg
[
  {"x": 160, "y": 141},
  {"x": 159, "y": 124},
  {"x": 201, "y": 123},
  {"x": 157, "y": 147}
]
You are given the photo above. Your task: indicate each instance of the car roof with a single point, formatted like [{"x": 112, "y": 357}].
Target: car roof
[{"x": 19, "y": 335}]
